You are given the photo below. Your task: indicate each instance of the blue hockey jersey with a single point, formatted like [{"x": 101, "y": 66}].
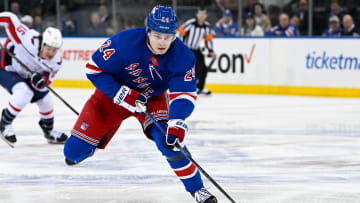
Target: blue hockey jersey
[{"x": 125, "y": 59}]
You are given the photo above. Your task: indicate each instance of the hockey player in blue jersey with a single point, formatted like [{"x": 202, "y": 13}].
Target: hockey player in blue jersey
[{"x": 139, "y": 66}]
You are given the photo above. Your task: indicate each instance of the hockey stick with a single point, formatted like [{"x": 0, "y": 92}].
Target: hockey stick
[
  {"x": 30, "y": 71},
  {"x": 178, "y": 146}
]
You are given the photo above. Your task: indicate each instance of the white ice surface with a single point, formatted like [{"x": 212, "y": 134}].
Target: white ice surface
[{"x": 259, "y": 148}]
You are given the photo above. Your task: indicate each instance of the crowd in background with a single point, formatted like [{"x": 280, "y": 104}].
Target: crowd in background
[
  {"x": 292, "y": 20},
  {"x": 289, "y": 23}
]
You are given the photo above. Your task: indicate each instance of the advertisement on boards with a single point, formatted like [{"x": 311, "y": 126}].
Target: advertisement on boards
[
  {"x": 324, "y": 63},
  {"x": 239, "y": 61},
  {"x": 76, "y": 53}
]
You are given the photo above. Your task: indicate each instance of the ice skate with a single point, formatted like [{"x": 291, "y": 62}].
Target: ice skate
[
  {"x": 204, "y": 196},
  {"x": 52, "y": 136},
  {"x": 205, "y": 92},
  {"x": 8, "y": 132},
  {"x": 55, "y": 137},
  {"x": 70, "y": 163}
]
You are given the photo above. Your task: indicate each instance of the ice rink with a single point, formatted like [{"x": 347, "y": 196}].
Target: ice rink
[{"x": 259, "y": 148}]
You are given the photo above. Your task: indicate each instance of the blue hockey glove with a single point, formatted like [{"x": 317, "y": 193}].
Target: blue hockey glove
[
  {"x": 130, "y": 99},
  {"x": 38, "y": 81},
  {"x": 176, "y": 131}
]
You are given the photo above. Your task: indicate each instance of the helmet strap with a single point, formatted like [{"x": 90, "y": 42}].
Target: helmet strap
[{"x": 148, "y": 41}]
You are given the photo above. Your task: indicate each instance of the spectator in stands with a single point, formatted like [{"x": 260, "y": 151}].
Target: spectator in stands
[
  {"x": 226, "y": 26},
  {"x": 334, "y": 29},
  {"x": 303, "y": 15},
  {"x": 96, "y": 27},
  {"x": 349, "y": 27},
  {"x": 15, "y": 8},
  {"x": 335, "y": 9},
  {"x": 106, "y": 18},
  {"x": 284, "y": 29},
  {"x": 260, "y": 18},
  {"x": 274, "y": 11},
  {"x": 295, "y": 20},
  {"x": 68, "y": 24},
  {"x": 104, "y": 15},
  {"x": 27, "y": 20},
  {"x": 248, "y": 7},
  {"x": 250, "y": 27},
  {"x": 38, "y": 24}
]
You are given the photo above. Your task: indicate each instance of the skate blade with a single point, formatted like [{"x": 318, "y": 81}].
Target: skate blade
[
  {"x": 55, "y": 142},
  {"x": 7, "y": 141},
  {"x": 71, "y": 163}
]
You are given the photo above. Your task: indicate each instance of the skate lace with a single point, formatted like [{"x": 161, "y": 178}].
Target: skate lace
[
  {"x": 8, "y": 131},
  {"x": 202, "y": 195}
]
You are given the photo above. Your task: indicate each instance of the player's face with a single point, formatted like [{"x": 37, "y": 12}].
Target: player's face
[
  {"x": 48, "y": 52},
  {"x": 160, "y": 42}
]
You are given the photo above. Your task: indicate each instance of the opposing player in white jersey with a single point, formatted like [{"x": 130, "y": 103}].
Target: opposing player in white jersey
[{"x": 40, "y": 53}]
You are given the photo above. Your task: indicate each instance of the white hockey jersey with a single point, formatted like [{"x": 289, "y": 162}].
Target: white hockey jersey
[{"x": 26, "y": 44}]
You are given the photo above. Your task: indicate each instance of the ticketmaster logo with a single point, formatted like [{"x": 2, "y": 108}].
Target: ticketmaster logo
[{"x": 323, "y": 61}]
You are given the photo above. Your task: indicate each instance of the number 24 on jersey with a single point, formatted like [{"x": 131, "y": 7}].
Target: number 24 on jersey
[
  {"x": 190, "y": 74},
  {"x": 107, "y": 52}
]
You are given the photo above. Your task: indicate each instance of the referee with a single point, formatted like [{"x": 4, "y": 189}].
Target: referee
[{"x": 193, "y": 32}]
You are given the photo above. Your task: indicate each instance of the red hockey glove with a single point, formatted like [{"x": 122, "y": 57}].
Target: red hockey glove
[
  {"x": 128, "y": 98},
  {"x": 38, "y": 81},
  {"x": 176, "y": 131}
]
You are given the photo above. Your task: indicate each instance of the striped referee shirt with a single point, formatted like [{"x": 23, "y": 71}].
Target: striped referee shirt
[{"x": 193, "y": 34}]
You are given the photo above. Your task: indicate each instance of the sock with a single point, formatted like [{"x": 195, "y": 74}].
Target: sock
[
  {"x": 47, "y": 124},
  {"x": 188, "y": 174},
  {"x": 7, "y": 117}
]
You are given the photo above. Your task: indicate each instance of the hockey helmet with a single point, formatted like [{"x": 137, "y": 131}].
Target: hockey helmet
[
  {"x": 162, "y": 19},
  {"x": 52, "y": 37}
]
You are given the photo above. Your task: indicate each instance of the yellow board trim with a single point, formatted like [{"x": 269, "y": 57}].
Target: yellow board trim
[
  {"x": 285, "y": 90},
  {"x": 72, "y": 83},
  {"x": 246, "y": 89}
]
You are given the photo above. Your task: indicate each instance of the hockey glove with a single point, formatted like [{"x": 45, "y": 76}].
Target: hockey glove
[
  {"x": 38, "y": 81},
  {"x": 176, "y": 131},
  {"x": 128, "y": 98}
]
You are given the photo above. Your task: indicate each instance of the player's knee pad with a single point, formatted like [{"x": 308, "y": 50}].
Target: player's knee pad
[
  {"x": 22, "y": 88},
  {"x": 159, "y": 139},
  {"x": 21, "y": 95},
  {"x": 76, "y": 149}
]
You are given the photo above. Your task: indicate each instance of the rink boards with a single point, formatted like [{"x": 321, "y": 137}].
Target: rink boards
[{"x": 294, "y": 66}]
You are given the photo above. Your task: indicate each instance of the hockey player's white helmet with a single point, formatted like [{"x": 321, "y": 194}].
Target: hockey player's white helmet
[{"x": 52, "y": 37}]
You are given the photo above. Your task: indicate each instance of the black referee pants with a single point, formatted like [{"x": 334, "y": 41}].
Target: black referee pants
[{"x": 200, "y": 69}]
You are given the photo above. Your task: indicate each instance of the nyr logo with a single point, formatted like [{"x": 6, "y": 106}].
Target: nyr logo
[{"x": 84, "y": 126}]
